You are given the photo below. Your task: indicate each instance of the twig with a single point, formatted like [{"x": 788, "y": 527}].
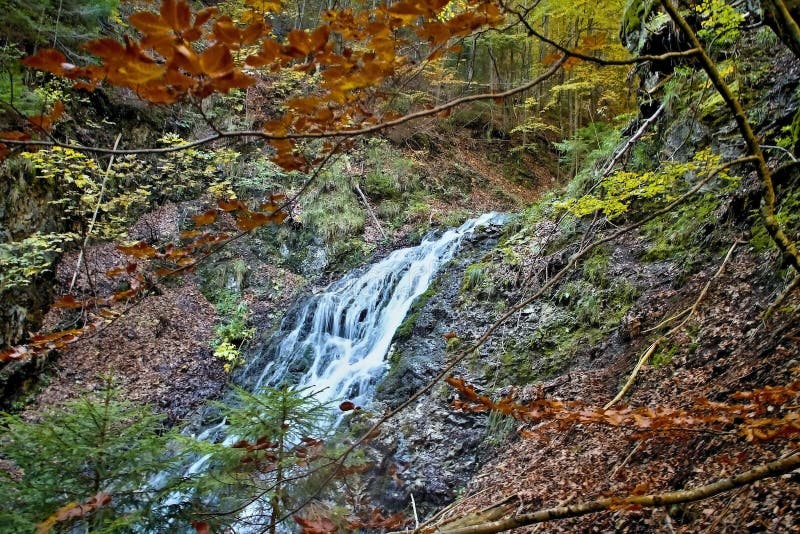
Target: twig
[
  {"x": 794, "y": 284},
  {"x": 625, "y": 461},
  {"x": 369, "y": 209},
  {"x": 414, "y": 508},
  {"x": 94, "y": 218},
  {"x": 308, "y": 135},
  {"x": 635, "y": 137},
  {"x": 704, "y": 292},
  {"x": 721, "y": 515},
  {"x": 781, "y": 149},
  {"x": 629, "y": 383}
]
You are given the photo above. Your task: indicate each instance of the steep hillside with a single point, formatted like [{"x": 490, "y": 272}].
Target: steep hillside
[
  {"x": 230, "y": 320},
  {"x": 684, "y": 305}
]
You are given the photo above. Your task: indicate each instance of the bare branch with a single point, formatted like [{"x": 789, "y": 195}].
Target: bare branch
[
  {"x": 592, "y": 59},
  {"x": 310, "y": 135}
]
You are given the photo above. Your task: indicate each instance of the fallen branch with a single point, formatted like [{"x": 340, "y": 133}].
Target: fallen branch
[
  {"x": 369, "y": 209},
  {"x": 635, "y": 137},
  {"x": 658, "y": 500},
  {"x": 629, "y": 384}
]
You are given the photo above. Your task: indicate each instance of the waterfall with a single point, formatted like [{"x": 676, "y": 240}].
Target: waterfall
[{"x": 336, "y": 341}]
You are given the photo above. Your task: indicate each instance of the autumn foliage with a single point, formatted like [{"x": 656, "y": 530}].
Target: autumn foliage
[
  {"x": 761, "y": 415},
  {"x": 185, "y": 56}
]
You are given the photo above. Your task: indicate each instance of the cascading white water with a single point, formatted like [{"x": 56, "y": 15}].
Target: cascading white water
[
  {"x": 336, "y": 343},
  {"x": 339, "y": 339}
]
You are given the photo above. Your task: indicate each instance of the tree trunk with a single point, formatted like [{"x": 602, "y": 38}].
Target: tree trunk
[{"x": 782, "y": 17}]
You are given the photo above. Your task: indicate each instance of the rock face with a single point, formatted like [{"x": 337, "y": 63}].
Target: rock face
[
  {"x": 25, "y": 209},
  {"x": 427, "y": 450}
]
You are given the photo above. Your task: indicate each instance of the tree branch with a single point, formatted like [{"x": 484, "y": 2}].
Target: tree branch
[
  {"x": 309, "y": 135},
  {"x": 785, "y": 244},
  {"x": 592, "y": 59}
]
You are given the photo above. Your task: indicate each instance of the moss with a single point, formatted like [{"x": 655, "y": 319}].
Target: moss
[
  {"x": 454, "y": 218},
  {"x": 595, "y": 267},
  {"x": 580, "y": 318},
  {"x": 474, "y": 276},
  {"x": 679, "y": 235},
  {"x": 381, "y": 186},
  {"x": 664, "y": 356},
  {"x": 349, "y": 254},
  {"x": 453, "y": 344},
  {"x": 392, "y": 211},
  {"x": 406, "y": 328},
  {"x": 787, "y": 213}
]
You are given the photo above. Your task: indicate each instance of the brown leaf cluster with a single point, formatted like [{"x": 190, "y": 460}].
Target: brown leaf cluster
[
  {"x": 770, "y": 413},
  {"x": 182, "y": 55}
]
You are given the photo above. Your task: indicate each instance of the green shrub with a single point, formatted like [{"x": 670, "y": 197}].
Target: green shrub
[
  {"x": 381, "y": 186},
  {"x": 474, "y": 277},
  {"x": 233, "y": 330},
  {"x": 97, "y": 444}
]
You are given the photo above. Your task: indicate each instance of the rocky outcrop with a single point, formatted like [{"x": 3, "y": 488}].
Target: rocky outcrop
[
  {"x": 25, "y": 208},
  {"x": 427, "y": 451}
]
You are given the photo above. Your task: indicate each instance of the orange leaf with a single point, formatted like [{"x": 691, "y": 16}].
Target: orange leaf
[
  {"x": 205, "y": 218},
  {"x": 201, "y": 527},
  {"x": 47, "y": 59},
  {"x": 319, "y": 38},
  {"x": 176, "y": 13},
  {"x": 204, "y": 15},
  {"x": 192, "y": 34},
  {"x": 138, "y": 250},
  {"x": 105, "y": 48},
  {"x": 264, "y": 6},
  {"x": 14, "y": 353},
  {"x": 319, "y": 525},
  {"x": 45, "y": 122},
  {"x": 216, "y": 61},
  {"x": 14, "y": 136},
  {"x": 231, "y": 205},
  {"x": 68, "y": 302},
  {"x": 250, "y": 220},
  {"x": 252, "y": 33},
  {"x": 73, "y": 510},
  {"x": 149, "y": 23},
  {"x": 227, "y": 32},
  {"x": 299, "y": 45}
]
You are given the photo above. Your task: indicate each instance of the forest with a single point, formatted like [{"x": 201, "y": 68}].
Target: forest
[{"x": 421, "y": 266}]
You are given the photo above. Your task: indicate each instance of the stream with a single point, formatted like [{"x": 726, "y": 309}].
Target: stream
[{"x": 336, "y": 341}]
